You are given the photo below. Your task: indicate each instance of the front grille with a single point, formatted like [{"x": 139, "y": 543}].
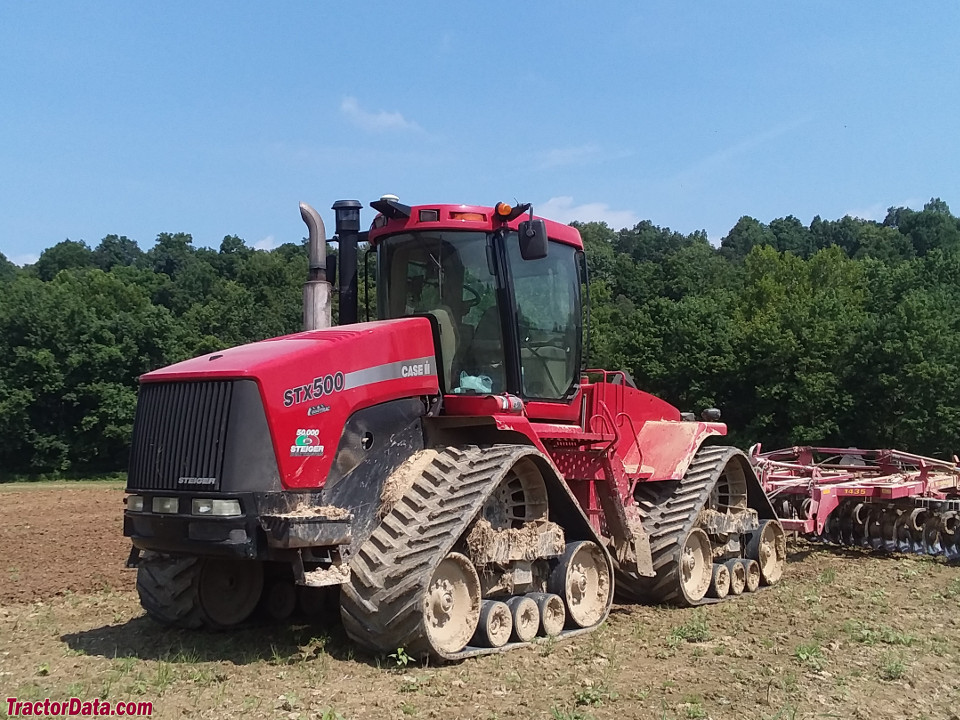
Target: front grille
[{"x": 179, "y": 436}]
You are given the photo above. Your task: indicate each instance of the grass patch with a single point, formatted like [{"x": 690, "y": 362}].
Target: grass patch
[
  {"x": 860, "y": 632},
  {"x": 696, "y": 630},
  {"x": 810, "y": 655},
  {"x": 19, "y": 481}
]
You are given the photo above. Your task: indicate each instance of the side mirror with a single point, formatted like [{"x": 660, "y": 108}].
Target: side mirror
[{"x": 533, "y": 239}]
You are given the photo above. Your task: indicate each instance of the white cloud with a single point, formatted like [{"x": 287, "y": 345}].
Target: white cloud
[
  {"x": 268, "y": 243},
  {"x": 25, "y": 259},
  {"x": 875, "y": 212},
  {"x": 563, "y": 210},
  {"x": 374, "y": 121},
  {"x": 878, "y": 211}
]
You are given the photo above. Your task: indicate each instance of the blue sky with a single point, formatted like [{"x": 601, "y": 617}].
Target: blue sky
[{"x": 217, "y": 118}]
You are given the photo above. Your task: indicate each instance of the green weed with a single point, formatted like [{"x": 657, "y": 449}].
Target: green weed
[
  {"x": 809, "y": 655},
  {"x": 695, "y": 631}
]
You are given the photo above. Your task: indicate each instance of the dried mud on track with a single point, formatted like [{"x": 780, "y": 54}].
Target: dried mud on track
[{"x": 847, "y": 634}]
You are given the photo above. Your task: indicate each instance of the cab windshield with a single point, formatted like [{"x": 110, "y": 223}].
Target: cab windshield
[{"x": 452, "y": 276}]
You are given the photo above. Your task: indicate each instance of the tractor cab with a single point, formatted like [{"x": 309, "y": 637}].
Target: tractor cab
[{"x": 506, "y": 303}]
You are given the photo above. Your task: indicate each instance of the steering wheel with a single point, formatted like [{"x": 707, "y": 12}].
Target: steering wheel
[{"x": 474, "y": 298}]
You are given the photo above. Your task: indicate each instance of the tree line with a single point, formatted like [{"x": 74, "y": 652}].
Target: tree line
[{"x": 840, "y": 332}]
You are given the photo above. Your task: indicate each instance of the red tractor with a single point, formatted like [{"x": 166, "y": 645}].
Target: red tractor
[{"x": 451, "y": 466}]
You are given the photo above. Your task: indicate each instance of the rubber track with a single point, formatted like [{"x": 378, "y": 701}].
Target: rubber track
[
  {"x": 669, "y": 511},
  {"x": 168, "y": 589},
  {"x": 381, "y": 605}
]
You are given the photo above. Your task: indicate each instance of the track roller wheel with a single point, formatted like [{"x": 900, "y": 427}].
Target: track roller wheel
[
  {"x": 768, "y": 546},
  {"x": 719, "y": 582},
  {"x": 553, "y": 615},
  {"x": 738, "y": 576},
  {"x": 451, "y": 605},
  {"x": 526, "y": 618},
  {"x": 280, "y": 599},
  {"x": 582, "y": 579},
  {"x": 752, "y": 569},
  {"x": 495, "y": 626}
]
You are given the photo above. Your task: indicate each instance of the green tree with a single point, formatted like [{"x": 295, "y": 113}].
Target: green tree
[
  {"x": 116, "y": 250},
  {"x": 63, "y": 256},
  {"x": 747, "y": 234}
]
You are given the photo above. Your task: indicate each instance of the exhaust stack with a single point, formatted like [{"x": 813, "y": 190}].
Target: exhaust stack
[{"x": 316, "y": 291}]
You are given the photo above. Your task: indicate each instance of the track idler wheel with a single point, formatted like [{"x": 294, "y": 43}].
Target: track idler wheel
[
  {"x": 768, "y": 546},
  {"x": 451, "y": 605},
  {"x": 229, "y": 590},
  {"x": 495, "y": 626},
  {"x": 582, "y": 579},
  {"x": 695, "y": 571},
  {"x": 738, "y": 576},
  {"x": 719, "y": 582},
  {"x": 526, "y": 618}
]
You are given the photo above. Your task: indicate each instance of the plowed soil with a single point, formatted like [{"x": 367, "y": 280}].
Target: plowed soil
[
  {"x": 61, "y": 539},
  {"x": 847, "y": 634}
]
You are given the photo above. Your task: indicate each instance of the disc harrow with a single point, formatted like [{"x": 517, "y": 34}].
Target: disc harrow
[{"x": 886, "y": 500}]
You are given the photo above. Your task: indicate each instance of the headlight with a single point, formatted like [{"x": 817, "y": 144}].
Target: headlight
[
  {"x": 219, "y": 508},
  {"x": 166, "y": 504},
  {"x": 135, "y": 503}
]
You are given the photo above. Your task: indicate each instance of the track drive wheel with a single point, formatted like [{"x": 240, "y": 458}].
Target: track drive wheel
[
  {"x": 451, "y": 605},
  {"x": 582, "y": 579},
  {"x": 768, "y": 546}
]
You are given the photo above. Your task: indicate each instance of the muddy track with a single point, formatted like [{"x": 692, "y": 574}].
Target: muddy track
[
  {"x": 669, "y": 511},
  {"x": 382, "y": 606}
]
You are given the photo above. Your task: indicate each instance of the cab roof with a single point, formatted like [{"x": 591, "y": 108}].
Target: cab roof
[{"x": 480, "y": 218}]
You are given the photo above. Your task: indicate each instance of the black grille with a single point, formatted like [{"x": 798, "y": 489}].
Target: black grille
[{"x": 179, "y": 436}]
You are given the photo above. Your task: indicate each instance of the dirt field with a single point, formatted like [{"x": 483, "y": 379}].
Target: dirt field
[{"x": 846, "y": 635}]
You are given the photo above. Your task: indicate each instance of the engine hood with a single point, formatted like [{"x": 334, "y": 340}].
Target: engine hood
[{"x": 310, "y": 383}]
